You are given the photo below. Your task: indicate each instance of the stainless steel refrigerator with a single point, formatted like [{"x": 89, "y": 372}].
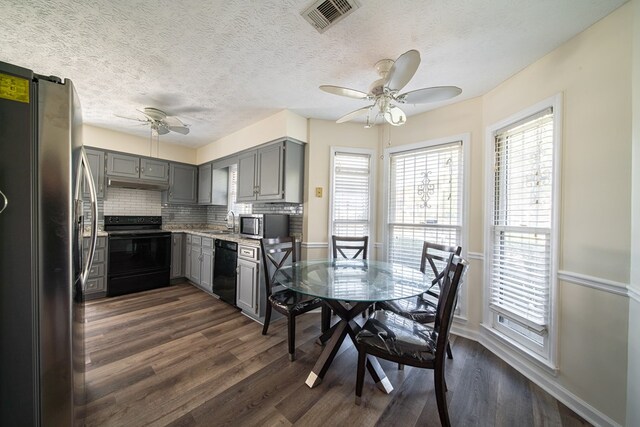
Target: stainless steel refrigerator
[{"x": 42, "y": 270}]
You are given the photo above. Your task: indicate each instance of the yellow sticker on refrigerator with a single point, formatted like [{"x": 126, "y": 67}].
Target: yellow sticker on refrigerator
[{"x": 14, "y": 88}]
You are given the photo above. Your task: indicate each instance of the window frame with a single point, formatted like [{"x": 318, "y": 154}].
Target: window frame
[
  {"x": 547, "y": 352},
  {"x": 372, "y": 200},
  {"x": 461, "y": 312}
]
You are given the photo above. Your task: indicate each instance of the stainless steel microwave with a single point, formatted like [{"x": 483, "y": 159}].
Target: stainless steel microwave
[{"x": 258, "y": 226}]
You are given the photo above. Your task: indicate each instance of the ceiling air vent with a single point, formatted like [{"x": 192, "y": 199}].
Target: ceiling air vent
[{"x": 324, "y": 13}]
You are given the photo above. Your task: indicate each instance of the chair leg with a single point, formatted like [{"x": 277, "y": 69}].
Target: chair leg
[
  {"x": 362, "y": 359},
  {"x": 291, "y": 337},
  {"x": 449, "y": 353},
  {"x": 326, "y": 319},
  {"x": 441, "y": 397},
  {"x": 267, "y": 319}
]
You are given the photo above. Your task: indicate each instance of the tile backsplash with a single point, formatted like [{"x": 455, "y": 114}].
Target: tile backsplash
[{"x": 127, "y": 201}]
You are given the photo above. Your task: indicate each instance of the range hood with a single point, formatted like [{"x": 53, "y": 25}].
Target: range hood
[{"x": 136, "y": 184}]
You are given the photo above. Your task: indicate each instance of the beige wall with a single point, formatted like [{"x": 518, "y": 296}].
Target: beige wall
[
  {"x": 323, "y": 135},
  {"x": 633, "y": 375},
  {"x": 593, "y": 71},
  {"x": 283, "y": 123},
  {"x": 118, "y": 141}
]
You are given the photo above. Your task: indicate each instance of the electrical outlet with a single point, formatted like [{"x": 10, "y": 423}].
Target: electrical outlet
[{"x": 318, "y": 191}]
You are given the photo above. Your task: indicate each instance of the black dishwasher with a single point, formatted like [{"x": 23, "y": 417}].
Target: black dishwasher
[{"x": 224, "y": 271}]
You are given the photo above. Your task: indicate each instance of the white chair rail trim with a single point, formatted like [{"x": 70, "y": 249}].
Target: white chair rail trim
[{"x": 593, "y": 282}]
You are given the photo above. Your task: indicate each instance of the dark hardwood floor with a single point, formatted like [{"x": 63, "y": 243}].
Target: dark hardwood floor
[{"x": 179, "y": 357}]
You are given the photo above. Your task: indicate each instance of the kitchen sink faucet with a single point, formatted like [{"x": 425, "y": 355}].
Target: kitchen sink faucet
[{"x": 233, "y": 221}]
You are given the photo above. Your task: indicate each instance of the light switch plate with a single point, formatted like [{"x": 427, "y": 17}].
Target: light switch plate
[{"x": 318, "y": 191}]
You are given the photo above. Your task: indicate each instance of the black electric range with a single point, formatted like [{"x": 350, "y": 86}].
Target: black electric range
[{"x": 139, "y": 254}]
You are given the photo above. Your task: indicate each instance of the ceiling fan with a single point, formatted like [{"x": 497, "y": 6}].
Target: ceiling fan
[
  {"x": 160, "y": 122},
  {"x": 384, "y": 92}
]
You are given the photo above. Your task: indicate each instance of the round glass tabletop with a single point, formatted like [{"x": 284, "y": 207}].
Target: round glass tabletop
[{"x": 354, "y": 280}]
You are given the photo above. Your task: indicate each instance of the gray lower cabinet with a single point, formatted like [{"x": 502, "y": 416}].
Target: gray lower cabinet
[
  {"x": 251, "y": 292},
  {"x": 145, "y": 169},
  {"x": 199, "y": 261},
  {"x": 273, "y": 173},
  {"x": 177, "y": 244},
  {"x": 183, "y": 184},
  {"x": 96, "y": 285},
  {"x": 96, "y": 164}
]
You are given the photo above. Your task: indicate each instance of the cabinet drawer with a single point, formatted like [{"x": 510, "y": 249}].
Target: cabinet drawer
[
  {"x": 94, "y": 285},
  {"x": 98, "y": 257},
  {"x": 248, "y": 252},
  {"x": 97, "y": 270},
  {"x": 101, "y": 243},
  {"x": 207, "y": 242},
  {"x": 196, "y": 240}
]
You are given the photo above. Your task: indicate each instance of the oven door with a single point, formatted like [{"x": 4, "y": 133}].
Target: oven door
[{"x": 138, "y": 262}]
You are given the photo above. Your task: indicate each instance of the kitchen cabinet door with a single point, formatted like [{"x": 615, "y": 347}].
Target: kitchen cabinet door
[
  {"x": 154, "y": 170},
  {"x": 247, "y": 177},
  {"x": 204, "y": 184},
  {"x": 270, "y": 175},
  {"x": 187, "y": 257},
  {"x": 206, "y": 274},
  {"x": 96, "y": 164},
  {"x": 183, "y": 184},
  {"x": 123, "y": 165},
  {"x": 246, "y": 298},
  {"x": 196, "y": 262},
  {"x": 176, "y": 255}
]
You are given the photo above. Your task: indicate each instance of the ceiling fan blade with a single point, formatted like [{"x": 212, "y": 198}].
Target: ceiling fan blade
[
  {"x": 352, "y": 115},
  {"x": 132, "y": 118},
  {"x": 180, "y": 129},
  {"x": 402, "y": 70},
  {"x": 173, "y": 121},
  {"x": 429, "y": 94},
  {"x": 344, "y": 91},
  {"x": 395, "y": 116}
]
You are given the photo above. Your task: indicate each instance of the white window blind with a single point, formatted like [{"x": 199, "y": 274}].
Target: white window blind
[
  {"x": 351, "y": 194},
  {"x": 520, "y": 264},
  {"x": 425, "y": 200},
  {"x": 237, "y": 208}
]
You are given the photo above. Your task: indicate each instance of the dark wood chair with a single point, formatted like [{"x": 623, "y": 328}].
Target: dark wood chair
[
  {"x": 422, "y": 308},
  {"x": 276, "y": 253},
  {"x": 390, "y": 336},
  {"x": 350, "y": 247}
]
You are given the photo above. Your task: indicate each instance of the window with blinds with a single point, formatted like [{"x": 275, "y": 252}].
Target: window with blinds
[
  {"x": 425, "y": 200},
  {"x": 351, "y": 193},
  {"x": 519, "y": 262},
  {"x": 237, "y": 208}
]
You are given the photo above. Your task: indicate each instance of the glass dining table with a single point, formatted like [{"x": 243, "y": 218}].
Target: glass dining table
[{"x": 349, "y": 287}]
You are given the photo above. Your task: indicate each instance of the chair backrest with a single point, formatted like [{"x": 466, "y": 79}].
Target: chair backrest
[
  {"x": 350, "y": 247},
  {"x": 452, "y": 278},
  {"x": 437, "y": 257},
  {"x": 277, "y": 252}
]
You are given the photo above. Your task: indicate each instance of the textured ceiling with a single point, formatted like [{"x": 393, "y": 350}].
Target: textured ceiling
[{"x": 223, "y": 65}]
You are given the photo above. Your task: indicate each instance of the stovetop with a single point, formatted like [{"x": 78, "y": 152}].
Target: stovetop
[{"x": 126, "y": 224}]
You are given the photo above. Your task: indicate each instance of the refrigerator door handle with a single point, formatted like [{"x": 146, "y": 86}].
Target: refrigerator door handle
[
  {"x": 6, "y": 202},
  {"x": 94, "y": 216}
]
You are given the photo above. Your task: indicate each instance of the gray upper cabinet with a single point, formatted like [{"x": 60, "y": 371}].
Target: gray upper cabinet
[
  {"x": 246, "y": 191},
  {"x": 204, "y": 184},
  {"x": 122, "y": 165},
  {"x": 96, "y": 164},
  {"x": 273, "y": 173},
  {"x": 183, "y": 184},
  {"x": 154, "y": 170}
]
